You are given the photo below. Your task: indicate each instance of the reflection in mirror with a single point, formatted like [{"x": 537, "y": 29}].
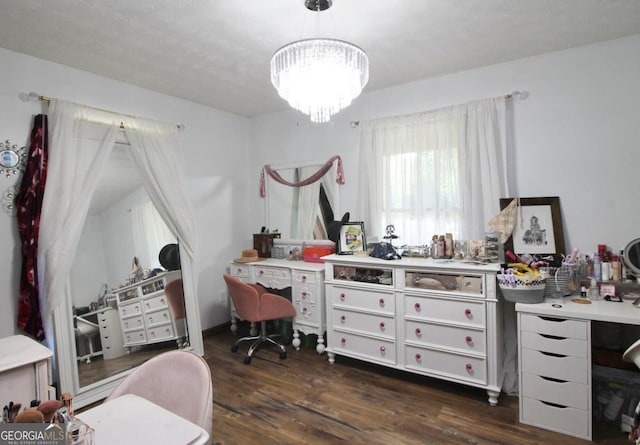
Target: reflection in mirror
[
  {"x": 632, "y": 257},
  {"x": 301, "y": 212},
  {"x": 121, "y": 312}
]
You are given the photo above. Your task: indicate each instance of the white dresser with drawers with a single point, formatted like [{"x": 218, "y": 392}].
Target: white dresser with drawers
[
  {"x": 439, "y": 318},
  {"x": 144, "y": 311},
  {"x": 306, "y": 281}
]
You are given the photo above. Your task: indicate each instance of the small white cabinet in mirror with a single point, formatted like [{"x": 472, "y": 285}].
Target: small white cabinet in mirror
[
  {"x": 301, "y": 212},
  {"x": 122, "y": 223}
]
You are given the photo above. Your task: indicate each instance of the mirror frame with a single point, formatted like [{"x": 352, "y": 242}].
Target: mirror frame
[
  {"x": 270, "y": 182},
  {"x": 634, "y": 268},
  {"x": 65, "y": 343}
]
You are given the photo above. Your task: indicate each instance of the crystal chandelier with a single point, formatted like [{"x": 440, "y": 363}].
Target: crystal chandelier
[{"x": 319, "y": 76}]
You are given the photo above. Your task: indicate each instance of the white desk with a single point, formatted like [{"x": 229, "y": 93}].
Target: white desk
[
  {"x": 133, "y": 420},
  {"x": 554, "y": 358},
  {"x": 25, "y": 370},
  {"x": 306, "y": 281}
]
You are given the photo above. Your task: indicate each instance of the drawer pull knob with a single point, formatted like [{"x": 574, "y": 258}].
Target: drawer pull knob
[
  {"x": 239, "y": 270},
  {"x": 304, "y": 310},
  {"x": 381, "y": 302},
  {"x": 343, "y": 341},
  {"x": 469, "y": 368},
  {"x": 552, "y": 354},
  {"x": 417, "y": 307},
  {"x": 418, "y": 358},
  {"x": 304, "y": 278},
  {"x": 468, "y": 314},
  {"x": 382, "y": 350},
  {"x": 551, "y": 379},
  {"x": 469, "y": 340},
  {"x": 343, "y": 297},
  {"x": 343, "y": 319},
  {"x": 261, "y": 272},
  {"x": 418, "y": 332},
  {"x": 382, "y": 326}
]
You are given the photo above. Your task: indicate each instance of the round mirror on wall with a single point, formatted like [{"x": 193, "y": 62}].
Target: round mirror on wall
[
  {"x": 632, "y": 257},
  {"x": 13, "y": 159}
]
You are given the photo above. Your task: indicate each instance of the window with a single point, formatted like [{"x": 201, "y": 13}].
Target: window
[{"x": 435, "y": 172}]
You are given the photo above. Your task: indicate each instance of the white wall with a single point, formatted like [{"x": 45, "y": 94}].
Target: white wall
[
  {"x": 215, "y": 145},
  {"x": 575, "y": 137}
]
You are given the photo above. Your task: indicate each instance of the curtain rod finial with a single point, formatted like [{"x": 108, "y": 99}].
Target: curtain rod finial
[{"x": 28, "y": 97}]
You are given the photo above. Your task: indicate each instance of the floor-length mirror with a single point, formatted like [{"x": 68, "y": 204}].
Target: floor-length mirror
[
  {"x": 301, "y": 212},
  {"x": 126, "y": 301},
  {"x": 118, "y": 252}
]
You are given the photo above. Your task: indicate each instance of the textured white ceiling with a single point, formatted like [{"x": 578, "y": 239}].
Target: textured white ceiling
[{"x": 217, "y": 52}]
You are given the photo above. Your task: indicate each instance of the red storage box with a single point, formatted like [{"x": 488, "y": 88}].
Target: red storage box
[{"x": 313, "y": 254}]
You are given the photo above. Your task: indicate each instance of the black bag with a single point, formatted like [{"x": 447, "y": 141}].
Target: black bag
[{"x": 385, "y": 251}]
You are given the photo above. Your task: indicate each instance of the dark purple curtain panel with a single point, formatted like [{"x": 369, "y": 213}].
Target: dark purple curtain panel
[{"x": 29, "y": 205}]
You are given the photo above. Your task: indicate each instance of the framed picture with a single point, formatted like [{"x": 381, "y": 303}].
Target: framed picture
[
  {"x": 539, "y": 231},
  {"x": 352, "y": 238}
]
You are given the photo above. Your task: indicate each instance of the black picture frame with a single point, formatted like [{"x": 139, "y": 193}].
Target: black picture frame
[
  {"x": 352, "y": 238},
  {"x": 541, "y": 232}
]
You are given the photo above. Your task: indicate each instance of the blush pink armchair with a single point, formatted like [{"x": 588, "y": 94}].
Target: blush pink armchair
[
  {"x": 179, "y": 381},
  {"x": 253, "y": 303}
]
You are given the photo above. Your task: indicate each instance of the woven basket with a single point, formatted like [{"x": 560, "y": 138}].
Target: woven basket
[{"x": 524, "y": 291}]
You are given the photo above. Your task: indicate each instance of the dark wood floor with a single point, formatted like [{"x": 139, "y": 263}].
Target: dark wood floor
[{"x": 305, "y": 400}]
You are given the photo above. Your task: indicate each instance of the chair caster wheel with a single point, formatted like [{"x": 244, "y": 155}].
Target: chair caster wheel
[
  {"x": 283, "y": 355},
  {"x": 234, "y": 348},
  {"x": 247, "y": 360}
]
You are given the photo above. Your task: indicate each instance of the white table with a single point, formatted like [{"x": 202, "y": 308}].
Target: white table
[
  {"x": 131, "y": 419},
  {"x": 25, "y": 370}
]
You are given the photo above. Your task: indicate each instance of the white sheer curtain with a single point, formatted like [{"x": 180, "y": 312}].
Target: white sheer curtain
[
  {"x": 307, "y": 205},
  {"x": 73, "y": 171},
  {"x": 150, "y": 234},
  {"x": 435, "y": 172}
]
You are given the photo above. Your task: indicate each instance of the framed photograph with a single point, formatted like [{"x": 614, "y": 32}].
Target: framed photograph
[
  {"x": 352, "y": 238},
  {"x": 539, "y": 231}
]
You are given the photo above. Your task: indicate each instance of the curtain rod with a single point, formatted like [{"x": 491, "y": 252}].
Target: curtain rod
[
  {"x": 513, "y": 95},
  {"x": 35, "y": 96}
]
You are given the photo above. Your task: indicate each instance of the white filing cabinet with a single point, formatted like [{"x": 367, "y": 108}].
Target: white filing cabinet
[
  {"x": 25, "y": 370},
  {"x": 110, "y": 333},
  {"x": 436, "y": 318},
  {"x": 555, "y": 378}
]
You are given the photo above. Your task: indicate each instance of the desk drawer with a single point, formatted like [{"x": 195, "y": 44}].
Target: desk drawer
[
  {"x": 132, "y": 323},
  {"x": 359, "y": 299},
  {"x": 304, "y": 277},
  {"x": 154, "y": 303},
  {"x": 567, "y": 420},
  {"x": 447, "y": 336},
  {"x": 161, "y": 333},
  {"x": 369, "y": 348},
  {"x": 455, "y": 366},
  {"x": 307, "y": 312},
  {"x": 554, "y": 344},
  {"x": 130, "y": 310},
  {"x": 562, "y": 367},
  {"x": 575, "y": 395},
  {"x": 447, "y": 311},
  {"x": 364, "y": 323},
  {"x": 306, "y": 294},
  {"x": 239, "y": 271},
  {"x": 155, "y": 318},
  {"x": 135, "y": 337},
  {"x": 554, "y": 326}
]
